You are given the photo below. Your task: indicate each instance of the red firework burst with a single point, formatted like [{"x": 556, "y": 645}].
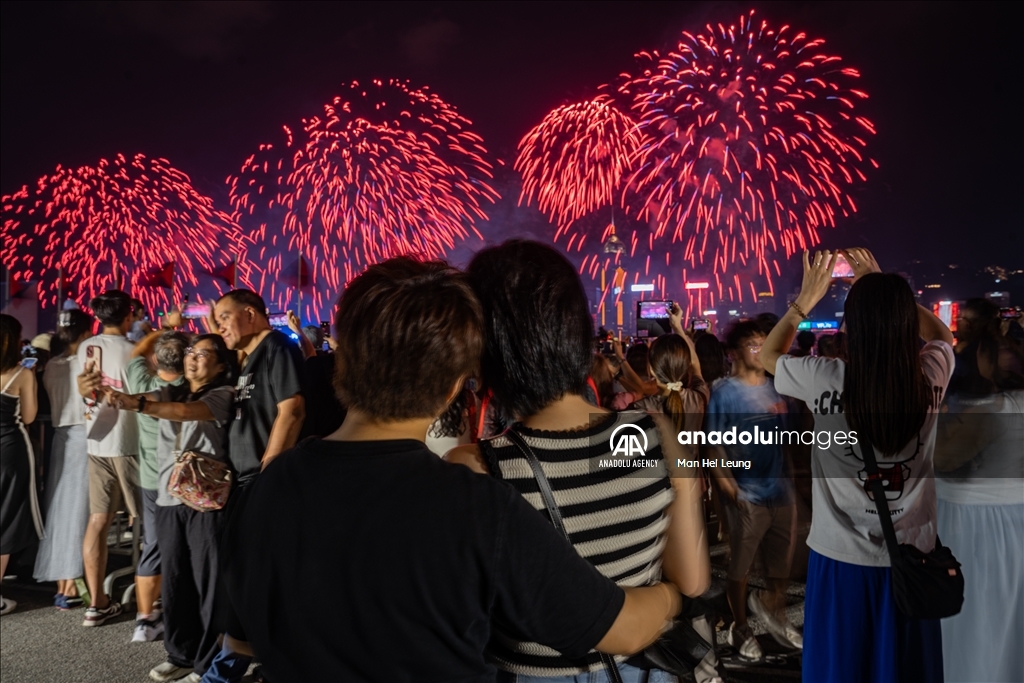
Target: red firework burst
[
  {"x": 573, "y": 162},
  {"x": 385, "y": 170},
  {"x": 136, "y": 223},
  {"x": 751, "y": 141}
]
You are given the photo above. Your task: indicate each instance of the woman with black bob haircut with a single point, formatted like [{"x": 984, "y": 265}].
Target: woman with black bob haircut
[
  {"x": 633, "y": 523},
  {"x": 886, "y": 394},
  {"x": 193, "y": 417}
]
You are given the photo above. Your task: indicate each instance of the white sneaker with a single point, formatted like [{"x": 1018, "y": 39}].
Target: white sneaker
[
  {"x": 783, "y": 633},
  {"x": 7, "y": 605},
  {"x": 745, "y": 642},
  {"x": 147, "y": 630},
  {"x": 192, "y": 678},
  {"x": 169, "y": 672},
  {"x": 794, "y": 637}
]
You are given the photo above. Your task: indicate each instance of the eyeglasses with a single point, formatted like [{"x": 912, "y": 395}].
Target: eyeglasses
[
  {"x": 198, "y": 353},
  {"x": 756, "y": 348}
]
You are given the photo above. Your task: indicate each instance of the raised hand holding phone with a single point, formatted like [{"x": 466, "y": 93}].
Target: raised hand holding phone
[{"x": 861, "y": 262}]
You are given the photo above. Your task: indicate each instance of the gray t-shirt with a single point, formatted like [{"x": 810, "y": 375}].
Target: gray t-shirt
[{"x": 207, "y": 437}]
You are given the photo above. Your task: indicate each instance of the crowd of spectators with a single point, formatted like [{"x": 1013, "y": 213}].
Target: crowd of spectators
[{"x": 396, "y": 474}]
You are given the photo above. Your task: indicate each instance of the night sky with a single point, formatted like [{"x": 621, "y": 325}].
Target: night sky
[{"x": 203, "y": 83}]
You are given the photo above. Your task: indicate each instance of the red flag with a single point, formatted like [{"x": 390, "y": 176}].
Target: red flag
[
  {"x": 162, "y": 277},
  {"x": 300, "y": 275},
  {"x": 228, "y": 273},
  {"x": 18, "y": 285}
]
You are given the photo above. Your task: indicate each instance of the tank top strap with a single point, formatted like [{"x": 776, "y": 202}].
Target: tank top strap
[{"x": 11, "y": 380}]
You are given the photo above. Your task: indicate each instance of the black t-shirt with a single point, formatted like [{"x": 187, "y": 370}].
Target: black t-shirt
[
  {"x": 324, "y": 412},
  {"x": 273, "y": 373},
  {"x": 378, "y": 561}
]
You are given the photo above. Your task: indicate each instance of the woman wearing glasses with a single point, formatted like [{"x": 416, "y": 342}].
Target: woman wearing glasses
[{"x": 193, "y": 417}]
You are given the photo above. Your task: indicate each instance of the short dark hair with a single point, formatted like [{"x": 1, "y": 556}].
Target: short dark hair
[
  {"x": 111, "y": 307},
  {"x": 805, "y": 340},
  {"x": 407, "y": 330},
  {"x": 226, "y": 357},
  {"x": 740, "y": 332},
  {"x": 247, "y": 297},
  {"x": 71, "y": 325},
  {"x": 767, "y": 322},
  {"x": 712, "y": 357},
  {"x": 538, "y": 324},
  {"x": 637, "y": 358},
  {"x": 10, "y": 342},
  {"x": 169, "y": 352},
  {"x": 138, "y": 306}
]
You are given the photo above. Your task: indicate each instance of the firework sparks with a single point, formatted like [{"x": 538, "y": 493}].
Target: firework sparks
[
  {"x": 751, "y": 142},
  {"x": 573, "y": 162},
  {"x": 384, "y": 170},
  {"x": 130, "y": 221}
]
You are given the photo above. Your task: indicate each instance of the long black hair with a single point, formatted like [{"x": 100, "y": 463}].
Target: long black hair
[{"x": 886, "y": 395}]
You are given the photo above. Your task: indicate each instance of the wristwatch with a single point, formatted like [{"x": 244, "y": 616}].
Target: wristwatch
[{"x": 142, "y": 403}]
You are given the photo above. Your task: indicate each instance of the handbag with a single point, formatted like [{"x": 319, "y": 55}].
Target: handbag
[
  {"x": 678, "y": 650},
  {"x": 924, "y": 585},
  {"x": 199, "y": 482}
]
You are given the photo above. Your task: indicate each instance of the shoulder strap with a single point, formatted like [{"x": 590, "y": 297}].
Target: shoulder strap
[
  {"x": 13, "y": 377},
  {"x": 542, "y": 481},
  {"x": 556, "y": 520},
  {"x": 875, "y": 485}
]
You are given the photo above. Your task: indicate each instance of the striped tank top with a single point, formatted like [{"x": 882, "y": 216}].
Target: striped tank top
[{"x": 616, "y": 517}]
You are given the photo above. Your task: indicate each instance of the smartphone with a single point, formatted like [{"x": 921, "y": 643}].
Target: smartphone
[
  {"x": 842, "y": 268},
  {"x": 193, "y": 311},
  {"x": 29, "y": 362},
  {"x": 325, "y": 331},
  {"x": 94, "y": 358},
  {"x": 278, "y": 320},
  {"x": 1009, "y": 313},
  {"x": 654, "y": 310},
  {"x": 699, "y": 324}
]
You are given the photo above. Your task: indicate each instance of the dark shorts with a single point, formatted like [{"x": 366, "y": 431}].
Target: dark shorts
[
  {"x": 768, "y": 529},
  {"x": 149, "y": 560}
]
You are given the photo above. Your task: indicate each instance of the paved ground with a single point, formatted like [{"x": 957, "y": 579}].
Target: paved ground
[{"x": 38, "y": 644}]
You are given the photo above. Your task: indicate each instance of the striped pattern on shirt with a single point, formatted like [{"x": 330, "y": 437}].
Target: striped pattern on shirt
[{"x": 616, "y": 518}]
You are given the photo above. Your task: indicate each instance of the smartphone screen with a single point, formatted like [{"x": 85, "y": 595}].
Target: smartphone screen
[
  {"x": 699, "y": 324},
  {"x": 278, "y": 320},
  {"x": 29, "y": 362},
  {"x": 94, "y": 358},
  {"x": 325, "y": 330},
  {"x": 653, "y": 310},
  {"x": 842, "y": 268},
  {"x": 193, "y": 311}
]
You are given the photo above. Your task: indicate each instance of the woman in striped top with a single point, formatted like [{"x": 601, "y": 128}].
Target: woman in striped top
[{"x": 631, "y": 520}]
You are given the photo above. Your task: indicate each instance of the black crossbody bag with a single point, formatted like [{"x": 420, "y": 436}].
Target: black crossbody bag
[
  {"x": 677, "y": 651},
  {"x": 924, "y": 585}
]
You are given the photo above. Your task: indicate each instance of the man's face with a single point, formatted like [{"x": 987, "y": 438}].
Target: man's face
[
  {"x": 235, "y": 322},
  {"x": 749, "y": 353}
]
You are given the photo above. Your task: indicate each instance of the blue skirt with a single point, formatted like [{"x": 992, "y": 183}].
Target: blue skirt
[{"x": 854, "y": 634}]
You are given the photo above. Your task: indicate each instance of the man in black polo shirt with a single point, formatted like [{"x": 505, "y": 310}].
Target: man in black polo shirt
[{"x": 269, "y": 410}]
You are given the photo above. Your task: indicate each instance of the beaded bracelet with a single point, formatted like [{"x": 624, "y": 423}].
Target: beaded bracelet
[{"x": 798, "y": 310}]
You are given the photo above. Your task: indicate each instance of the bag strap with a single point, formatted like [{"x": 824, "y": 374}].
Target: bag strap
[
  {"x": 548, "y": 497},
  {"x": 877, "y": 488}
]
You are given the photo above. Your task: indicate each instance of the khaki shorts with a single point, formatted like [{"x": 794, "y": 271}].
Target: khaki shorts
[
  {"x": 114, "y": 485},
  {"x": 772, "y": 530}
]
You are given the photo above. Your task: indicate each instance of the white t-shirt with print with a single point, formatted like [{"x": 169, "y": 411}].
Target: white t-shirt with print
[
  {"x": 111, "y": 432},
  {"x": 844, "y": 525}
]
